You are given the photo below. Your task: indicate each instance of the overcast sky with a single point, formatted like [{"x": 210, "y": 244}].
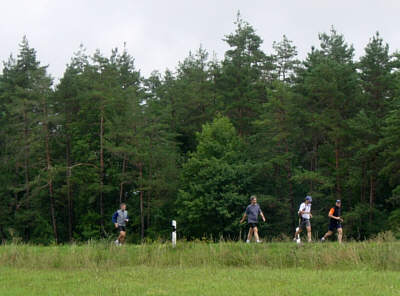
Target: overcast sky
[{"x": 159, "y": 34}]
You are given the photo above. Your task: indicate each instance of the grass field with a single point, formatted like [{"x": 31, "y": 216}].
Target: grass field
[{"x": 198, "y": 268}]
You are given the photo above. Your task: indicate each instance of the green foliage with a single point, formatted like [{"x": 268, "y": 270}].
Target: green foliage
[
  {"x": 214, "y": 183},
  {"x": 241, "y": 87},
  {"x": 194, "y": 142}
]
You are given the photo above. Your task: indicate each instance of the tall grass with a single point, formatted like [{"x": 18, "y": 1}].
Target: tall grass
[{"x": 378, "y": 254}]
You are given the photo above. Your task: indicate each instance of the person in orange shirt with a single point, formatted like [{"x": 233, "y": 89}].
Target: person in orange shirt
[{"x": 335, "y": 221}]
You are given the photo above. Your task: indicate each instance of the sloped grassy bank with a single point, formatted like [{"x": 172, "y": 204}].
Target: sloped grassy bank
[{"x": 370, "y": 255}]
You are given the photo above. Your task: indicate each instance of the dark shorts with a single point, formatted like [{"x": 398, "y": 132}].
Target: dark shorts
[
  {"x": 305, "y": 223},
  {"x": 121, "y": 228},
  {"x": 252, "y": 225},
  {"x": 333, "y": 226}
]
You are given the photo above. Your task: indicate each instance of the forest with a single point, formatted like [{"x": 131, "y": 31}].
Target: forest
[{"x": 195, "y": 142}]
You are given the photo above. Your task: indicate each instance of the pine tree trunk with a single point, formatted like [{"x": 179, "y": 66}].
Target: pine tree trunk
[
  {"x": 241, "y": 122},
  {"x": 337, "y": 157},
  {"x": 26, "y": 158},
  {"x": 371, "y": 195},
  {"x": 49, "y": 181},
  {"x": 363, "y": 181},
  {"x": 68, "y": 174},
  {"x": 150, "y": 182},
  {"x": 141, "y": 202},
  {"x": 3, "y": 235},
  {"x": 313, "y": 164},
  {"x": 372, "y": 189},
  {"x": 101, "y": 170},
  {"x": 121, "y": 185},
  {"x": 26, "y": 169},
  {"x": 148, "y": 200},
  {"x": 69, "y": 199},
  {"x": 289, "y": 179}
]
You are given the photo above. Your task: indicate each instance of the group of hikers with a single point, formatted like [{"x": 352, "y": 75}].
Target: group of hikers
[{"x": 252, "y": 213}]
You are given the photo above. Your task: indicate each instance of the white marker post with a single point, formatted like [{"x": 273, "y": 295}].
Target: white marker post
[{"x": 173, "y": 233}]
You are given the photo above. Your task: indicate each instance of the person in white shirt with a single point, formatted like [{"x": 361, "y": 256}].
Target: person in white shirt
[{"x": 305, "y": 216}]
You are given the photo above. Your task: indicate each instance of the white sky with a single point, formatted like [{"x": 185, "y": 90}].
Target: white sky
[{"x": 159, "y": 34}]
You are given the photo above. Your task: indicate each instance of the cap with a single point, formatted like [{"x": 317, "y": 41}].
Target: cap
[
  {"x": 309, "y": 198},
  {"x": 338, "y": 200}
]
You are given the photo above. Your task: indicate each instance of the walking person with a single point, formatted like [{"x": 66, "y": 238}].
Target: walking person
[
  {"x": 252, "y": 212},
  {"x": 120, "y": 218},
  {"x": 335, "y": 222},
  {"x": 305, "y": 216}
]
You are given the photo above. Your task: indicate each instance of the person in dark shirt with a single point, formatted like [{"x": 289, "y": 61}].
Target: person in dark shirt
[
  {"x": 252, "y": 212},
  {"x": 335, "y": 221}
]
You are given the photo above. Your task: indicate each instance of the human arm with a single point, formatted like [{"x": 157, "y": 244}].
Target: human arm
[
  {"x": 262, "y": 215},
  {"x": 114, "y": 219},
  {"x": 330, "y": 215},
  {"x": 243, "y": 218}
]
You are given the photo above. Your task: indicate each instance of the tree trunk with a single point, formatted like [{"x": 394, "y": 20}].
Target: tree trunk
[
  {"x": 3, "y": 235},
  {"x": 289, "y": 179},
  {"x": 69, "y": 198},
  {"x": 26, "y": 169},
  {"x": 148, "y": 207},
  {"x": 372, "y": 188},
  {"x": 337, "y": 156},
  {"x": 26, "y": 158},
  {"x": 68, "y": 174},
  {"x": 121, "y": 185},
  {"x": 241, "y": 122},
  {"x": 150, "y": 181},
  {"x": 141, "y": 201},
  {"x": 148, "y": 200},
  {"x": 313, "y": 164},
  {"x": 363, "y": 183},
  {"x": 17, "y": 202},
  {"x": 101, "y": 169},
  {"x": 371, "y": 191},
  {"x": 49, "y": 180}
]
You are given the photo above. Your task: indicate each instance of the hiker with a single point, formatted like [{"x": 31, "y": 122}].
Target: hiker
[
  {"x": 252, "y": 212},
  {"x": 119, "y": 219},
  {"x": 335, "y": 221},
  {"x": 305, "y": 216}
]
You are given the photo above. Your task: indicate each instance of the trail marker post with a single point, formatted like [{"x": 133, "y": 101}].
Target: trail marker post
[{"x": 173, "y": 233}]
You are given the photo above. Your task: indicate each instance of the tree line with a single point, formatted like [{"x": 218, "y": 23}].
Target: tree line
[{"x": 194, "y": 143}]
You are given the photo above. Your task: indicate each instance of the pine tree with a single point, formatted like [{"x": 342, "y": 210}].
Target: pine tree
[
  {"x": 284, "y": 59},
  {"x": 26, "y": 89},
  {"x": 329, "y": 85},
  {"x": 378, "y": 90},
  {"x": 241, "y": 85}
]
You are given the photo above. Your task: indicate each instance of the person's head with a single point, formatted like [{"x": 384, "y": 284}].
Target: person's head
[
  {"x": 339, "y": 203},
  {"x": 253, "y": 199},
  {"x": 308, "y": 199},
  {"x": 123, "y": 206}
]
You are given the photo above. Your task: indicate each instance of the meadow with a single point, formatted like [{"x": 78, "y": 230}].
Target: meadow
[{"x": 202, "y": 268}]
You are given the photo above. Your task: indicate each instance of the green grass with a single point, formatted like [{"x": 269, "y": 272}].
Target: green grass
[
  {"x": 199, "y": 268},
  {"x": 144, "y": 280},
  {"x": 373, "y": 255}
]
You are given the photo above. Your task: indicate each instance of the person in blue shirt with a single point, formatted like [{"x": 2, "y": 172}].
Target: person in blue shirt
[
  {"x": 120, "y": 218},
  {"x": 252, "y": 212}
]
